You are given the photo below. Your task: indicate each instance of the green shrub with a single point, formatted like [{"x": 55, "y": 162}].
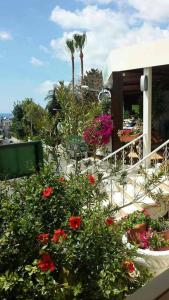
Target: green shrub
[{"x": 57, "y": 241}]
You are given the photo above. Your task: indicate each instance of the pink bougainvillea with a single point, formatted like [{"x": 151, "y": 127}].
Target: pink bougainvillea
[{"x": 100, "y": 132}]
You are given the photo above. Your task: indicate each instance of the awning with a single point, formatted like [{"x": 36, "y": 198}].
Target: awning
[{"x": 137, "y": 57}]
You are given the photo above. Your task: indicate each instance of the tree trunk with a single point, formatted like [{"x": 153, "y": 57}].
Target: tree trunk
[
  {"x": 73, "y": 73},
  {"x": 81, "y": 61}
]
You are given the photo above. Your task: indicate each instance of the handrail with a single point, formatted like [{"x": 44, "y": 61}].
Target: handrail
[
  {"x": 115, "y": 152},
  {"x": 123, "y": 147},
  {"x": 148, "y": 156}
]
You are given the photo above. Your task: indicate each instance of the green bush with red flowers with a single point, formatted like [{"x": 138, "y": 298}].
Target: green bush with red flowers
[{"x": 57, "y": 241}]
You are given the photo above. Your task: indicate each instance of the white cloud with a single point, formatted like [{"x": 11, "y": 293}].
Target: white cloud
[
  {"x": 157, "y": 10},
  {"x": 48, "y": 85},
  {"x": 36, "y": 62},
  {"x": 102, "y": 33},
  {"x": 106, "y": 29},
  {"x": 5, "y": 36},
  {"x": 45, "y": 86},
  {"x": 91, "y": 17},
  {"x": 96, "y": 1}
]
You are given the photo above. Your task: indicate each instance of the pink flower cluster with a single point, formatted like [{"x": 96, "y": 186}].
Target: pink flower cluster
[
  {"x": 100, "y": 132},
  {"x": 145, "y": 237}
]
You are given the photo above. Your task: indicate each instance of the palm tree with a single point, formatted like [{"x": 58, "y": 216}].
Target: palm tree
[
  {"x": 71, "y": 46},
  {"x": 80, "y": 40}
]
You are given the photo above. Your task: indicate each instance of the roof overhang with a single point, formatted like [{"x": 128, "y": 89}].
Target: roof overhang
[{"x": 137, "y": 57}]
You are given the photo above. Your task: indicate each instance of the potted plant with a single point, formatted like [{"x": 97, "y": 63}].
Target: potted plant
[
  {"x": 152, "y": 243},
  {"x": 127, "y": 135},
  {"x": 142, "y": 228},
  {"x": 136, "y": 223}
]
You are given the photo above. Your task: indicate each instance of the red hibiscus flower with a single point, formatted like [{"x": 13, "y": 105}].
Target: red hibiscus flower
[
  {"x": 59, "y": 234},
  {"x": 129, "y": 266},
  {"x": 43, "y": 238},
  {"x": 74, "y": 222},
  {"x": 46, "y": 263},
  {"x": 109, "y": 221},
  {"x": 91, "y": 179},
  {"x": 47, "y": 192}
]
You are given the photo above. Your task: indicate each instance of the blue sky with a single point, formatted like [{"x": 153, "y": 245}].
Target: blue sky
[{"x": 32, "y": 39}]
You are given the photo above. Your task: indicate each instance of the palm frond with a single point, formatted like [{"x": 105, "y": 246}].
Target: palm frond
[
  {"x": 80, "y": 40},
  {"x": 70, "y": 45}
]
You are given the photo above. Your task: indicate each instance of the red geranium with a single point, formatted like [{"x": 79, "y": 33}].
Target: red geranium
[
  {"x": 74, "y": 222},
  {"x": 59, "y": 234},
  {"x": 91, "y": 179},
  {"x": 109, "y": 221},
  {"x": 46, "y": 263},
  {"x": 47, "y": 192},
  {"x": 129, "y": 265},
  {"x": 43, "y": 237}
]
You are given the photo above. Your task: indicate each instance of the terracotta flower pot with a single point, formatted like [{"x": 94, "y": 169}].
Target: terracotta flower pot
[{"x": 128, "y": 138}]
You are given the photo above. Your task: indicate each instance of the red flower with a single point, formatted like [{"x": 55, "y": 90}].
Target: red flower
[
  {"x": 109, "y": 221},
  {"x": 46, "y": 263},
  {"x": 47, "y": 192},
  {"x": 74, "y": 222},
  {"x": 91, "y": 179},
  {"x": 59, "y": 234},
  {"x": 61, "y": 179},
  {"x": 129, "y": 266},
  {"x": 43, "y": 238}
]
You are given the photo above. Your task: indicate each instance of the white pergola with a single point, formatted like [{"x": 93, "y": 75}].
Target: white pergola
[{"x": 143, "y": 56}]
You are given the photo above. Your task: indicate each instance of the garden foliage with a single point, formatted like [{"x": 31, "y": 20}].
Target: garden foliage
[{"x": 57, "y": 241}]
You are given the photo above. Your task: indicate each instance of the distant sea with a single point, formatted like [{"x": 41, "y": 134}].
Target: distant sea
[{"x": 6, "y": 115}]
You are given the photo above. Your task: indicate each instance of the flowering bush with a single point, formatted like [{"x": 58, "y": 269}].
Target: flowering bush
[
  {"x": 99, "y": 132},
  {"x": 57, "y": 241}
]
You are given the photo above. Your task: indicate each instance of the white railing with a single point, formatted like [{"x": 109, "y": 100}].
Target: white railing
[
  {"x": 154, "y": 169},
  {"x": 158, "y": 157},
  {"x": 125, "y": 179},
  {"x": 127, "y": 155},
  {"x": 121, "y": 168}
]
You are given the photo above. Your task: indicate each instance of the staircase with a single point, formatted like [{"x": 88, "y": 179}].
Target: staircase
[{"x": 135, "y": 182}]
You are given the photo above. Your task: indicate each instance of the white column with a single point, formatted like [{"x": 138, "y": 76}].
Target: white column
[{"x": 147, "y": 112}]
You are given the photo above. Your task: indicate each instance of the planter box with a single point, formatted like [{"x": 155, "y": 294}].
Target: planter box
[{"x": 128, "y": 138}]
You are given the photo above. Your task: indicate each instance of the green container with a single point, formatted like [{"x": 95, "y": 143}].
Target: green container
[{"x": 20, "y": 159}]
